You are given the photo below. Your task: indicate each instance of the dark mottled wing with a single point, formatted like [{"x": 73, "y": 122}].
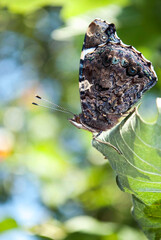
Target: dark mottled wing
[{"x": 113, "y": 77}]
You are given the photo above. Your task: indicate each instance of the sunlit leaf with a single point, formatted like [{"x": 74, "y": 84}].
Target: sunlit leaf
[
  {"x": 90, "y": 228},
  {"x": 138, "y": 168},
  {"x": 7, "y": 224},
  {"x": 49, "y": 230},
  {"x": 90, "y": 225},
  {"x": 70, "y": 7},
  {"x": 86, "y": 228},
  {"x": 27, "y": 6}
]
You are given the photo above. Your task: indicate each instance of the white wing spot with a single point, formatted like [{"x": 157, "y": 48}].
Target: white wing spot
[
  {"x": 85, "y": 51},
  {"x": 85, "y": 85}
]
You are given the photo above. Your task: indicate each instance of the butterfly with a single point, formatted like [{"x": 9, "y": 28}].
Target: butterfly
[{"x": 112, "y": 78}]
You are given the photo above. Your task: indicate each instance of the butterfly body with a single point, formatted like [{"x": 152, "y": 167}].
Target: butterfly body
[{"x": 112, "y": 78}]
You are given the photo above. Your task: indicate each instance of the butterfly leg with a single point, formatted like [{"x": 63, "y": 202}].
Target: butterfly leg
[
  {"x": 130, "y": 112},
  {"x": 107, "y": 143}
]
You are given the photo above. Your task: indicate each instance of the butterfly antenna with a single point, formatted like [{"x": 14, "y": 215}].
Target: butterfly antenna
[{"x": 57, "y": 107}]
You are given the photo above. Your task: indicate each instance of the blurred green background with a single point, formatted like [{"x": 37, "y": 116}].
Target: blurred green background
[{"x": 53, "y": 184}]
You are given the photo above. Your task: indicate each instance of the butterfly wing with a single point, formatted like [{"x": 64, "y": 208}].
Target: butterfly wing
[{"x": 112, "y": 76}]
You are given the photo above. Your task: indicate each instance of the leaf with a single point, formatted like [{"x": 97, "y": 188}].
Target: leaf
[
  {"x": 90, "y": 225},
  {"x": 87, "y": 227},
  {"x": 70, "y": 8},
  {"x": 7, "y": 224},
  {"x": 138, "y": 168},
  {"x": 26, "y": 6}
]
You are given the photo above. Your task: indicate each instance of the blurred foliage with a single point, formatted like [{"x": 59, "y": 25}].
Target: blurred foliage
[
  {"x": 69, "y": 8},
  {"x": 49, "y": 172}
]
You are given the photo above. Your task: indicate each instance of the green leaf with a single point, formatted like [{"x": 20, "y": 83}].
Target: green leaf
[
  {"x": 138, "y": 168},
  {"x": 86, "y": 227},
  {"x": 27, "y": 6},
  {"x": 7, "y": 224},
  {"x": 90, "y": 225},
  {"x": 70, "y": 8}
]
